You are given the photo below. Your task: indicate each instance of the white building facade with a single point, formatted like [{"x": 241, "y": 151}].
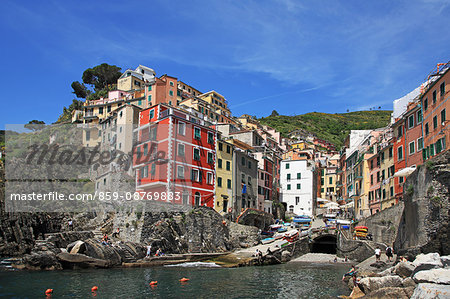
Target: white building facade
[{"x": 298, "y": 186}]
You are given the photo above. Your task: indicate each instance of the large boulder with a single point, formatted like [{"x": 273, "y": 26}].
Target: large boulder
[
  {"x": 427, "y": 262},
  {"x": 445, "y": 260},
  {"x": 370, "y": 284},
  {"x": 80, "y": 261},
  {"x": 391, "y": 293},
  {"x": 76, "y": 247},
  {"x": 404, "y": 269},
  {"x": 431, "y": 291},
  {"x": 408, "y": 282},
  {"x": 41, "y": 260},
  {"x": 441, "y": 276}
]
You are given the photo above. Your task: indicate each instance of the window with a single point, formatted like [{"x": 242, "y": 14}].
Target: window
[
  {"x": 419, "y": 144},
  {"x": 181, "y": 149},
  {"x": 196, "y": 154},
  {"x": 171, "y": 83},
  {"x": 210, "y": 138},
  {"x": 220, "y": 146},
  {"x": 435, "y": 122},
  {"x": 384, "y": 193},
  {"x": 383, "y": 173},
  {"x": 149, "y": 88},
  {"x": 242, "y": 161},
  {"x": 197, "y": 133},
  {"x": 195, "y": 175},
  {"x": 153, "y": 169},
  {"x": 249, "y": 165},
  {"x": 100, "y": 110},
  {"x": 298, "y": 186},
  {"x": 391, "y": 191},
  {"x": 289, "y": 186},
  {"x": 228, "y": 167},
  {"x": 145, "y": 149},
  {"x": 378, "y": 176},
  {"x": 144, "y": 171},
  {"x": 109, "y": 108},
  {"x": 151, "y": 114},
  {"x": 140, "y": 103},
  {"x": 425, "y": 104},
  {"x": 88, "y": 135},
  {"x": 330, "y": 180},
  {"x": 180, "y": 172},
  {"x": 209, "y": 178},
  {"x": 401, "y": 180},
  {"x": 427, "y": 130},
  {"x": 170, "y": 93},
  {"x": 412, "y": 147},
  {"x": 219, "y": 181},
  {"x": 288, "y": 177},
  {"x": 321, "y": 190},
  {"x": 443, "y": 118},
  {"x": 210, "y": 158},
  {"x": 382, "y": 157},
  {"x": 219, "y": 163},
  {"x": 243, "y": 178},
  {"x": 390, "y": 152},
  {"x": 400, "y": 153},
  {"x": 249, "y": 179},
  {"x": 297, "y": 200},
  {"x": 432, "y": 149},
  {"x": 419, "y": 116},
  {"x": 322, "y": 181},
  {"x": 411, "y": 121},
  {"x": 442, "y": 89},
  {"x": 434, "y": 97},
  {"x": 229, "y": 184},
  {"x": 228, "y": 149},
  {"x": 392, "y": 170},
  {"x": 287, "y": 165},
  {"x": 371, "y": 179},
  {"x": 400, "y": 132},
  {"x": 181, "y": 128},
  {"x": 299, "y": 175}
]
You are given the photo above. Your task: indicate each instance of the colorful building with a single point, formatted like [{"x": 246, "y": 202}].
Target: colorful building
[
  {"x": 224, "y": 173},
  {"x": 175, "y": 155}
]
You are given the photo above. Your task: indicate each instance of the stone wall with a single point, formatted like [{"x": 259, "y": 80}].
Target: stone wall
[
  {"x": 384, "y": 225},
  {"x": 353, "y": 249},
  {"x": 424, "y": 223}
]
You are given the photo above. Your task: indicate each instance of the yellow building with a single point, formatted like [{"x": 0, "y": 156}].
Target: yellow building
[
  {"x": 387, "y": 172},
  {"x": 362, "y": 208},
  {"x": 218, "y": 102},
  {"x": 224, "y": 173},
  {"x": 329, "y": 179}
]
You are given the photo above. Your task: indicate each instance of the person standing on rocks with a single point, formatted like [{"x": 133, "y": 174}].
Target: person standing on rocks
[
  {"x": 149, "y": 250},
  {"x": 389, "y": 253},
  {"x": 70, "y": 224},
  {"x": 377, "y": 253}
]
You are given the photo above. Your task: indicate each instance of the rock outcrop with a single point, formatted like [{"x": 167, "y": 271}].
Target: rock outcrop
[{"x": 431, "y": 291}]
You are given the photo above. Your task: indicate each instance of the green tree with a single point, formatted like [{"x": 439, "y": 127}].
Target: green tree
[
  {"x": 35, "y": 125},
  {"x": 80, "y": 90},
  {"x": 101, "y": 76},
  {"x": 274, "y": 113}
]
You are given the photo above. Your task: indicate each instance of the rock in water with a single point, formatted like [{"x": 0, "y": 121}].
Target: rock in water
[
  {"x": 390, "y": 293},
  {"x": 427, "y": 262},
  {"x": 441, "y": 276},
  {"x": 370, "y": 284},
  {"x": 404, "y": 269},
  {"x": 431, "y": 291},
  {"x": 41, "y": 260}
]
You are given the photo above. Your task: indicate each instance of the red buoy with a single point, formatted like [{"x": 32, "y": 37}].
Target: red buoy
[
  {"x": 94, "y": 288},
  {"x": 152, "y": 283},
  {"x": 184, "y": 279},
  {"x": 48, "y": 291}
]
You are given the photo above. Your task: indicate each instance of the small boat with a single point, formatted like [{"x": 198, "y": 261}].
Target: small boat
[
  {"x": 267, "y": 240},
  {"x": 282, "y": 229}
]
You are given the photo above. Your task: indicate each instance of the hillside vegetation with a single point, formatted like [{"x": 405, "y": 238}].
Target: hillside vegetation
[{"x": 331, "y": 127}]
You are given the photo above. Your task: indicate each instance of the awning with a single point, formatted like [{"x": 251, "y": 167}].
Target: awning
[
  {"x": 322, "y": 200},
  {"x": 405, "y": 171}
]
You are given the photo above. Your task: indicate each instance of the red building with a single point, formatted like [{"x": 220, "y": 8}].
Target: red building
[
  {"x": 175, "y": 155},
  {"x": 435, "y": 106},
  {"x": 413, "y": 135},
  {"x": 375, "y": 184}
]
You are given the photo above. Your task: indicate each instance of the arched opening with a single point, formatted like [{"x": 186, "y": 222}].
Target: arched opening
[
  {"x": 324, "y": 244},
  {"x": 197, "y": 199}
]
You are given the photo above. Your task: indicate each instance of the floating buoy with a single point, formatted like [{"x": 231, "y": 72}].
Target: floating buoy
[
  {"x": 94, "y": 288},
  {"x": 48, "y": 291},
  {"x": 184, "y": 279},
  {"x": 152, "y": 283}
]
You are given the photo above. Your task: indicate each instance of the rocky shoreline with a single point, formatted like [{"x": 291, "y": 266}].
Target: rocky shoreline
[{"x": 427, "y": 276}]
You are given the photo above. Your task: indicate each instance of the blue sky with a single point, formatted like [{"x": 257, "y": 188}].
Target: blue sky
[{"x": 292, "y": 56}]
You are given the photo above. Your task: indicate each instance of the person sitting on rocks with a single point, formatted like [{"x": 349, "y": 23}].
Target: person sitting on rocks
[
  {"x": 352, "y": 273},
  {"x": 116, "y": 233},
  {"x": 158, "y": 252},
  {"x": 105, "y": 239}
]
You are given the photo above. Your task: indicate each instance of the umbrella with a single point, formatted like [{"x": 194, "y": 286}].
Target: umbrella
[
  {"x": 322, "y": 200},
  {"x": 331, "y": 204}
]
